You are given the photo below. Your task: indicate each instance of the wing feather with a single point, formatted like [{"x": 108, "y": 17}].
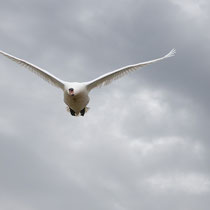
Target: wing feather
[
  {"x": 116, "y": 74},
  {"x": 35, "y": 69}
]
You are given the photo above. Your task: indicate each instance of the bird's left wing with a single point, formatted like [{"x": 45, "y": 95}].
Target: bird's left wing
[
  {"x": 40, "y": 72},
  {"x": 109, "y": 77}
]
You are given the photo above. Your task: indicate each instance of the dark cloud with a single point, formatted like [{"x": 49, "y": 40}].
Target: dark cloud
[{"x": 144, "y": 142}]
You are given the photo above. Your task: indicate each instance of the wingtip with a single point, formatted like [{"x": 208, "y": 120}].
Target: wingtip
[
  {"x": 3, "y": 53},
  {"x": 171, "y": 53}
]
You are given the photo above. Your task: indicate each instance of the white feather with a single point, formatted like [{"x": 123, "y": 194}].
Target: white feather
[
  {"x": 40, "y": 72},
  {"x": 116, "y": 74}
]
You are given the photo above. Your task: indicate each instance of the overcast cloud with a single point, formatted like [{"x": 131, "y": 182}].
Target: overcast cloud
[{"x": 144, "y": 144}]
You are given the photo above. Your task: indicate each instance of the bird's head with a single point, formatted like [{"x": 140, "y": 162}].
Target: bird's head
[
  {"x": 74, "y": 89},
  {"x": 71, "y": 91}
]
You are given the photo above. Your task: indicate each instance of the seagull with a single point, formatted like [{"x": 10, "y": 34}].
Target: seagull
[{"x": 76, "y": 93}]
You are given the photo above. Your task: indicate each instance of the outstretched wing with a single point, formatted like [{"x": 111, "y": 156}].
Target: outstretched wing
[
  {"x": 40, "y": 72},
  {"x": 109, "y": 77}
]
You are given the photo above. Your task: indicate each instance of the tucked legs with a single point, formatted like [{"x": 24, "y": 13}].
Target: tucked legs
[
  {"x": 82, "y": 112},
  {"x": 72, "y": 112}
]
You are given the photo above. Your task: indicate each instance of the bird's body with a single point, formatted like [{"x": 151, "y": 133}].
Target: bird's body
[
  {"x": 75, "y": 93},
  {"x": 80, "y": 99}
]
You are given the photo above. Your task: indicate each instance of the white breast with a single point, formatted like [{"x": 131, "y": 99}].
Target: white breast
[{"x": 77, "y": 102}]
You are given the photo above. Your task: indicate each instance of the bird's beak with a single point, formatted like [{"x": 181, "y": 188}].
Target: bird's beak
[{"x": 71, "y": 92}]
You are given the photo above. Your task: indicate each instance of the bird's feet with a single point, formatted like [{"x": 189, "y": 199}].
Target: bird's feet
[
  {"x": 72, "y": 112},
  {"x": 82, "y": 112}
]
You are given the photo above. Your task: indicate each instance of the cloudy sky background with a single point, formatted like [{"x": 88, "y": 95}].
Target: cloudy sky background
[{"x": 144, "y": 144}]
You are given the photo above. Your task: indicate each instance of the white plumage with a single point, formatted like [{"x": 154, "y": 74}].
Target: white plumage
[{"x": 76, "y": 94}]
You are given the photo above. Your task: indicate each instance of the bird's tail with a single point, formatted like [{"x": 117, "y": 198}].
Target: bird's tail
[
  {"x": 87, "y": 109},
  {"x": 67, "y": 109}
]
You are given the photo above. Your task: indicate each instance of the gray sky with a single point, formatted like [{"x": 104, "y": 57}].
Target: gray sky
[{"x": 144, "y": 144}]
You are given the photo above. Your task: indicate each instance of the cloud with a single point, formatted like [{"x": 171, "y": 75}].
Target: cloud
[
  {"x": 143, "y": 144},
  {"x": 193, "y": 9},
  {"x": 188, "y": 183}
]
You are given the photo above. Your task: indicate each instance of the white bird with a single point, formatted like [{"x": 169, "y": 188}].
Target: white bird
[{"x": 76, "y": 93}]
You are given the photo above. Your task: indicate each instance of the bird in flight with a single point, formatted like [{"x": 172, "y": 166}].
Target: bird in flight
[{"x": 76, "y": 93}]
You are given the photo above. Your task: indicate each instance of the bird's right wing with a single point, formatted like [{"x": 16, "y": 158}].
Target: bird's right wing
[
  {"x": 111, "y": 76},
  {"x": 40, "y": 72}
]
